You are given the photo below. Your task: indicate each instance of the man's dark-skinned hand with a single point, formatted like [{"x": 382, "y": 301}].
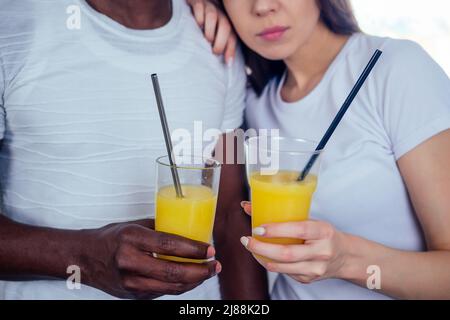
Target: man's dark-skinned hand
[{"x": 117, "y": 258}]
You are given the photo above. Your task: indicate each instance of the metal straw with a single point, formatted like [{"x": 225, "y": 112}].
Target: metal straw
[{"x": 166, "y": 132}]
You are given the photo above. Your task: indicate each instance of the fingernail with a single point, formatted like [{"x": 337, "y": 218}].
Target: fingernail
[
  {"x": 259, "y": 231},
  {"x": 244, "y": 241},
  {"x": 244, "y": 203},
  {"x": 218, "y": 268},
  {"x": 230, "y": 62},
  {"x": 211, "y": 252}
]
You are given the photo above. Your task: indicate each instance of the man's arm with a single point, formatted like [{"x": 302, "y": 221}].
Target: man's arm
[
  {"x": 30, "y": 251},
  {"x": 116, "y": 259},
  {"x": 241, "y": 277}
]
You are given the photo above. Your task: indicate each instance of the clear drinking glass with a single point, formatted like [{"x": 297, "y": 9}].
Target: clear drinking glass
[
  {"x": 274, "y": 165},
  {"x": 192, "y": 215}
]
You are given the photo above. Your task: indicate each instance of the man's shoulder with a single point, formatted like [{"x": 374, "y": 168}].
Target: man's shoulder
[
  {"x": 16, "y": 33},
  {"x": 18, "y": 20},
  {"x": 26, "y": 25},
  {"x": 191, "y": 35},
  {"x": 17, "y": 17}
]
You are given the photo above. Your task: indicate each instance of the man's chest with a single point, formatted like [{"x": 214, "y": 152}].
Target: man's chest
[{"x": 102, "y": 102}]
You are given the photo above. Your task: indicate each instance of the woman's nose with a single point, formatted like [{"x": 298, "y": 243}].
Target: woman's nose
[{"x": 265, "y": 7}]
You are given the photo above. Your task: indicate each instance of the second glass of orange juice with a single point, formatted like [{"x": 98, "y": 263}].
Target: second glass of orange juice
[
  {"x": 191, "y": 215},
  {"x": 274, "y": 165}
]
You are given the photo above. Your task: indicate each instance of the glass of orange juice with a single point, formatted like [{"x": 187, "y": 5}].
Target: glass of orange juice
[
  {"x": 192, "y": 215},
  {"x": 274, "y": 166}
]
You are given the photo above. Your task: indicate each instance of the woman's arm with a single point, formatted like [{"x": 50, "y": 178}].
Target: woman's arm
[
  {"x": 410, "y": 275},
  {"x": 329, "y": 253}
]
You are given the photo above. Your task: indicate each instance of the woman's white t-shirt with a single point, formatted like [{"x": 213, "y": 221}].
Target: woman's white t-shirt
[{"x": 404, "y": 102}]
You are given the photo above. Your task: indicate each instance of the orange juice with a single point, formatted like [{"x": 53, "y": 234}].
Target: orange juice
[
  {"x": 281, "y": 198},
  {"x": 191, "y": 216}
]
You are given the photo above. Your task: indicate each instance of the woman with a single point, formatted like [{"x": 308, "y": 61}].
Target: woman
[{"x": 382, "y": 207}]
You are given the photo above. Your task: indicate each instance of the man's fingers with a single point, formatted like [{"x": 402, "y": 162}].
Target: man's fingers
[
  {"x": 147, "y": 223},
  {"x": 171, "y": 245},
  {"x": 184, "y": 272},
  {"x": 168, "y": 271},
  {"x": 145, "y": 288}
]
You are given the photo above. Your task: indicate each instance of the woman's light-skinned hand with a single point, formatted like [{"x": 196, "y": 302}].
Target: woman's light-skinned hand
[
  {"x": 323, "y": 254},
  {"x": 216, "y": 27}
]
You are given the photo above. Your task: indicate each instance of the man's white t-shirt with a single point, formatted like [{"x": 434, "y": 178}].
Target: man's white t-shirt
[
  {"x": 79, "y": 122},
  {"x": 405, "y": 101}
]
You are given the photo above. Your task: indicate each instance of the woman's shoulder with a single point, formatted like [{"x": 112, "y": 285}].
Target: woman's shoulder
[
  {"x": 409, "y": 91},
  {"x": 366, "y": 41},
  {"x": 400, "y": 56}
]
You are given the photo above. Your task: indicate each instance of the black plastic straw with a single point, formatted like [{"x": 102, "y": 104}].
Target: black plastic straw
[
  {"x": 341, "y": 113},
  {"x": 166, "y": 132}
]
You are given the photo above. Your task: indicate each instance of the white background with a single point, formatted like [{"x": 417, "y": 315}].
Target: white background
[{"x": 424, "y": 21}]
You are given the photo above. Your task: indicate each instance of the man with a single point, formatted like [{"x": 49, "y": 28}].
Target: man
[{"x": 80, "y": 133}]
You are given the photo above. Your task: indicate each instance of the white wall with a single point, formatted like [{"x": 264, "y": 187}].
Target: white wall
[{"x": 424, "y": 21}]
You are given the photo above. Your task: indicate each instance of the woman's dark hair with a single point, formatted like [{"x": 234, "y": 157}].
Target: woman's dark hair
[{"x": 337, "y": 15}]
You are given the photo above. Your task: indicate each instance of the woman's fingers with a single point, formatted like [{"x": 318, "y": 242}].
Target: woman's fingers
[
  {"x": 278, "y": 252},
  {"x": 310, "y": 269},
  {"x": 247, "y": 206},
  {"x": 230, "y": 51},
  {"x": 216, "y": 27},
  {"x": 206, "y": 14},
  {"x": 299, "y": 271},
  {"x": 198, "y": 9},
  {"x": 222, "y": 35},
  {"x": 211, "y": 19},
  {"x": 306, "y": 230}
]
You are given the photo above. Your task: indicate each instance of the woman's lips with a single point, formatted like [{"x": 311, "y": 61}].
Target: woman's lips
[{"x": 273, "y": 34}]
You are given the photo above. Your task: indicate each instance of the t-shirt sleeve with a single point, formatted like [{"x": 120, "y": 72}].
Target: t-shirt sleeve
[
  {"x": 235, "y": 97},
  {"x": 416, "y": 97}
]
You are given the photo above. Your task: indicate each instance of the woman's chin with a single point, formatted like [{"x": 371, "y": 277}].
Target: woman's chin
[{"x": 273, "y": 55}]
